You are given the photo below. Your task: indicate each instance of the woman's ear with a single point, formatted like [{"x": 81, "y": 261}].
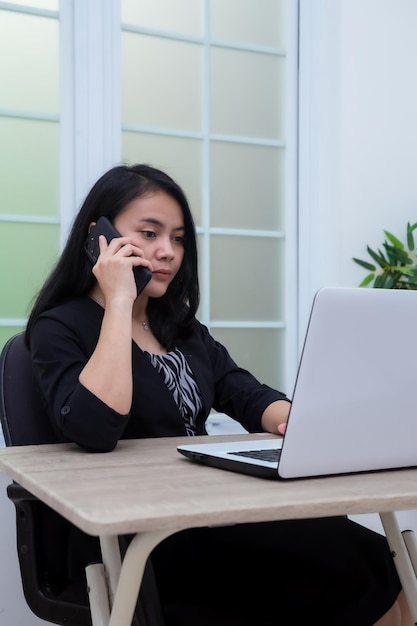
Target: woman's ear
[{"x": 90, "y": 226}]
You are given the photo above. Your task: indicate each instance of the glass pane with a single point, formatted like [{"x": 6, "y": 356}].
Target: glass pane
[
  {"x": 31, "y": 250},
  {"x": 180, "y": 158},
  {"x": 247, "y": 94},
  {"x": 51, "y": 5},
  {"x": 29, "y": 78},
  {"x": 246, "y": 276},
  {"x": 249, "y": 192},
  {"x": 182, "y": 16},
  {"x": 165, "y": 92},
  {"x": 248, "y": 21},
  {"x": 260, "y": 350},
  {"x": 29, "y": 163}
]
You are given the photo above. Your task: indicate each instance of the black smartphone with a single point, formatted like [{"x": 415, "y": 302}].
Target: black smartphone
[{"x": 104, "y": 227}]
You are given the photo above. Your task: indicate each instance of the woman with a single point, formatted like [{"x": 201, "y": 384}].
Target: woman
[{"x": 111, "y": 364}]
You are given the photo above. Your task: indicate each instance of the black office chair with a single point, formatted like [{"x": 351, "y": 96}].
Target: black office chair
[{"x": 44, "y": 538}]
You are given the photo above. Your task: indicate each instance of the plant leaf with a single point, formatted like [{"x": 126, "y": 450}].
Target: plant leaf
[
  {"x": 400, "y": 269},
  {"x": 385, "y": 281},
  {"x": 410, "y": 237},
  {"x": 412, "y": 272},
  {"x": 396, "y": 242},
  {"x": 398, "y": 263},
  {"x": 379, "y": 258},
  {"x": 392, "y": 280},
  {"x": 365, "y": 264},
  {"x": 397, "y": 255},
  {"x": 368, "y": 279},
  {"x": 391, "y": 253}
]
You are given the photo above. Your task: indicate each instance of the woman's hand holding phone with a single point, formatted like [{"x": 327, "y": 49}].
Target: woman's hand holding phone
[{"x": 94, "y": 248}]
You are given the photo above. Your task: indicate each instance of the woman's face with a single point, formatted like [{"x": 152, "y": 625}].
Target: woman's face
[{"x": 155, "y": 223}]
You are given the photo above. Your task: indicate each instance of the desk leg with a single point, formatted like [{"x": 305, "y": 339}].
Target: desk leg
[
  {"x": 98, "y": 594},
  {"x": 402, "y": 560},
  {"x": 110, "y": 553},
  {"x": 102, "y": 581},
  {"x": 411, "y": 545},
  {"x": 124, "y": 579}
]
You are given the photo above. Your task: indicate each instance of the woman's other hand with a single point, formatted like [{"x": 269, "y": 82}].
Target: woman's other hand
[{"x": 274, "y": 418}]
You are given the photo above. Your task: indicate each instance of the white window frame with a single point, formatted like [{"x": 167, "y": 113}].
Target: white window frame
[
  {"x": 319, "y": 96},
  {"x": 90, "y": 98}
]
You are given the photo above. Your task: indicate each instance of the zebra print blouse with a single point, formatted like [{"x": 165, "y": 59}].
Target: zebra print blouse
[{"x": 180, "y": 381}]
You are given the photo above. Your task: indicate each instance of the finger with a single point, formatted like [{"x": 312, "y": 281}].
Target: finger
[
  {"x": 102, "y": 243},
  {"x": 119, "y": 243},
  {"x": 141, "y": 261},
  {"x": 124, "y": 247}
]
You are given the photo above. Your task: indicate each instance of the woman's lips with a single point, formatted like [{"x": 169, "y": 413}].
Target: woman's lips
[{"x": 161, "y": 274}]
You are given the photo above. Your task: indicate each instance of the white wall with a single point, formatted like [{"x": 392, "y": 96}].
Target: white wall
[
  {"x": 358, "y": 134},
  {"x": 378, "y": 125}
]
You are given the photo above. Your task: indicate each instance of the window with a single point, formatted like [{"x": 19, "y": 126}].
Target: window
[
  {"x": 29, "y": 130},
  {"x": 204, "y": 89}
]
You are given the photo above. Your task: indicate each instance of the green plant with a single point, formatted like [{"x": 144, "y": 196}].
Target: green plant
[{"x": 396, "y": 267}]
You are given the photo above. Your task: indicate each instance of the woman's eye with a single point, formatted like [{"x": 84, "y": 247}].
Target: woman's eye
[
  {"x": 148, "y": 234},
  {"x": 179, "y": 239}
]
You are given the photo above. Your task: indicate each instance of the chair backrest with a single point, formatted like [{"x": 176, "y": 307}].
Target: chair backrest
[
  {"x": 22, "y": 414},
  {"x": 41, "y": 534},
  {"x": 45, "y": 539}
]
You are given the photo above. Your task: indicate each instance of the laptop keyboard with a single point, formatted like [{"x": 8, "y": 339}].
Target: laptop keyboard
[{"x": 261, "y": 455}]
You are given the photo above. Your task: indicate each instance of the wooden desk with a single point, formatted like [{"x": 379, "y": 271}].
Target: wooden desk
[{"x": 147, "y": 487}]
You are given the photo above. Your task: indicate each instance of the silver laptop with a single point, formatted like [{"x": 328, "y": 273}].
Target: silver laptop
[{"x": 354, "y": 406}]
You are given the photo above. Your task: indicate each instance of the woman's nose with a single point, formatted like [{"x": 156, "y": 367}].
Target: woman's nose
[{"x": 165, "y": 249}]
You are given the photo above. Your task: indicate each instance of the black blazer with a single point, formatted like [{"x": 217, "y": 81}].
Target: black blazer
[{"x": 63, "y": 340}]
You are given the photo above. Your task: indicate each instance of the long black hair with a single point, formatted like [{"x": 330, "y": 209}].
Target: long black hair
[{"x": 169, "y": 316}]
